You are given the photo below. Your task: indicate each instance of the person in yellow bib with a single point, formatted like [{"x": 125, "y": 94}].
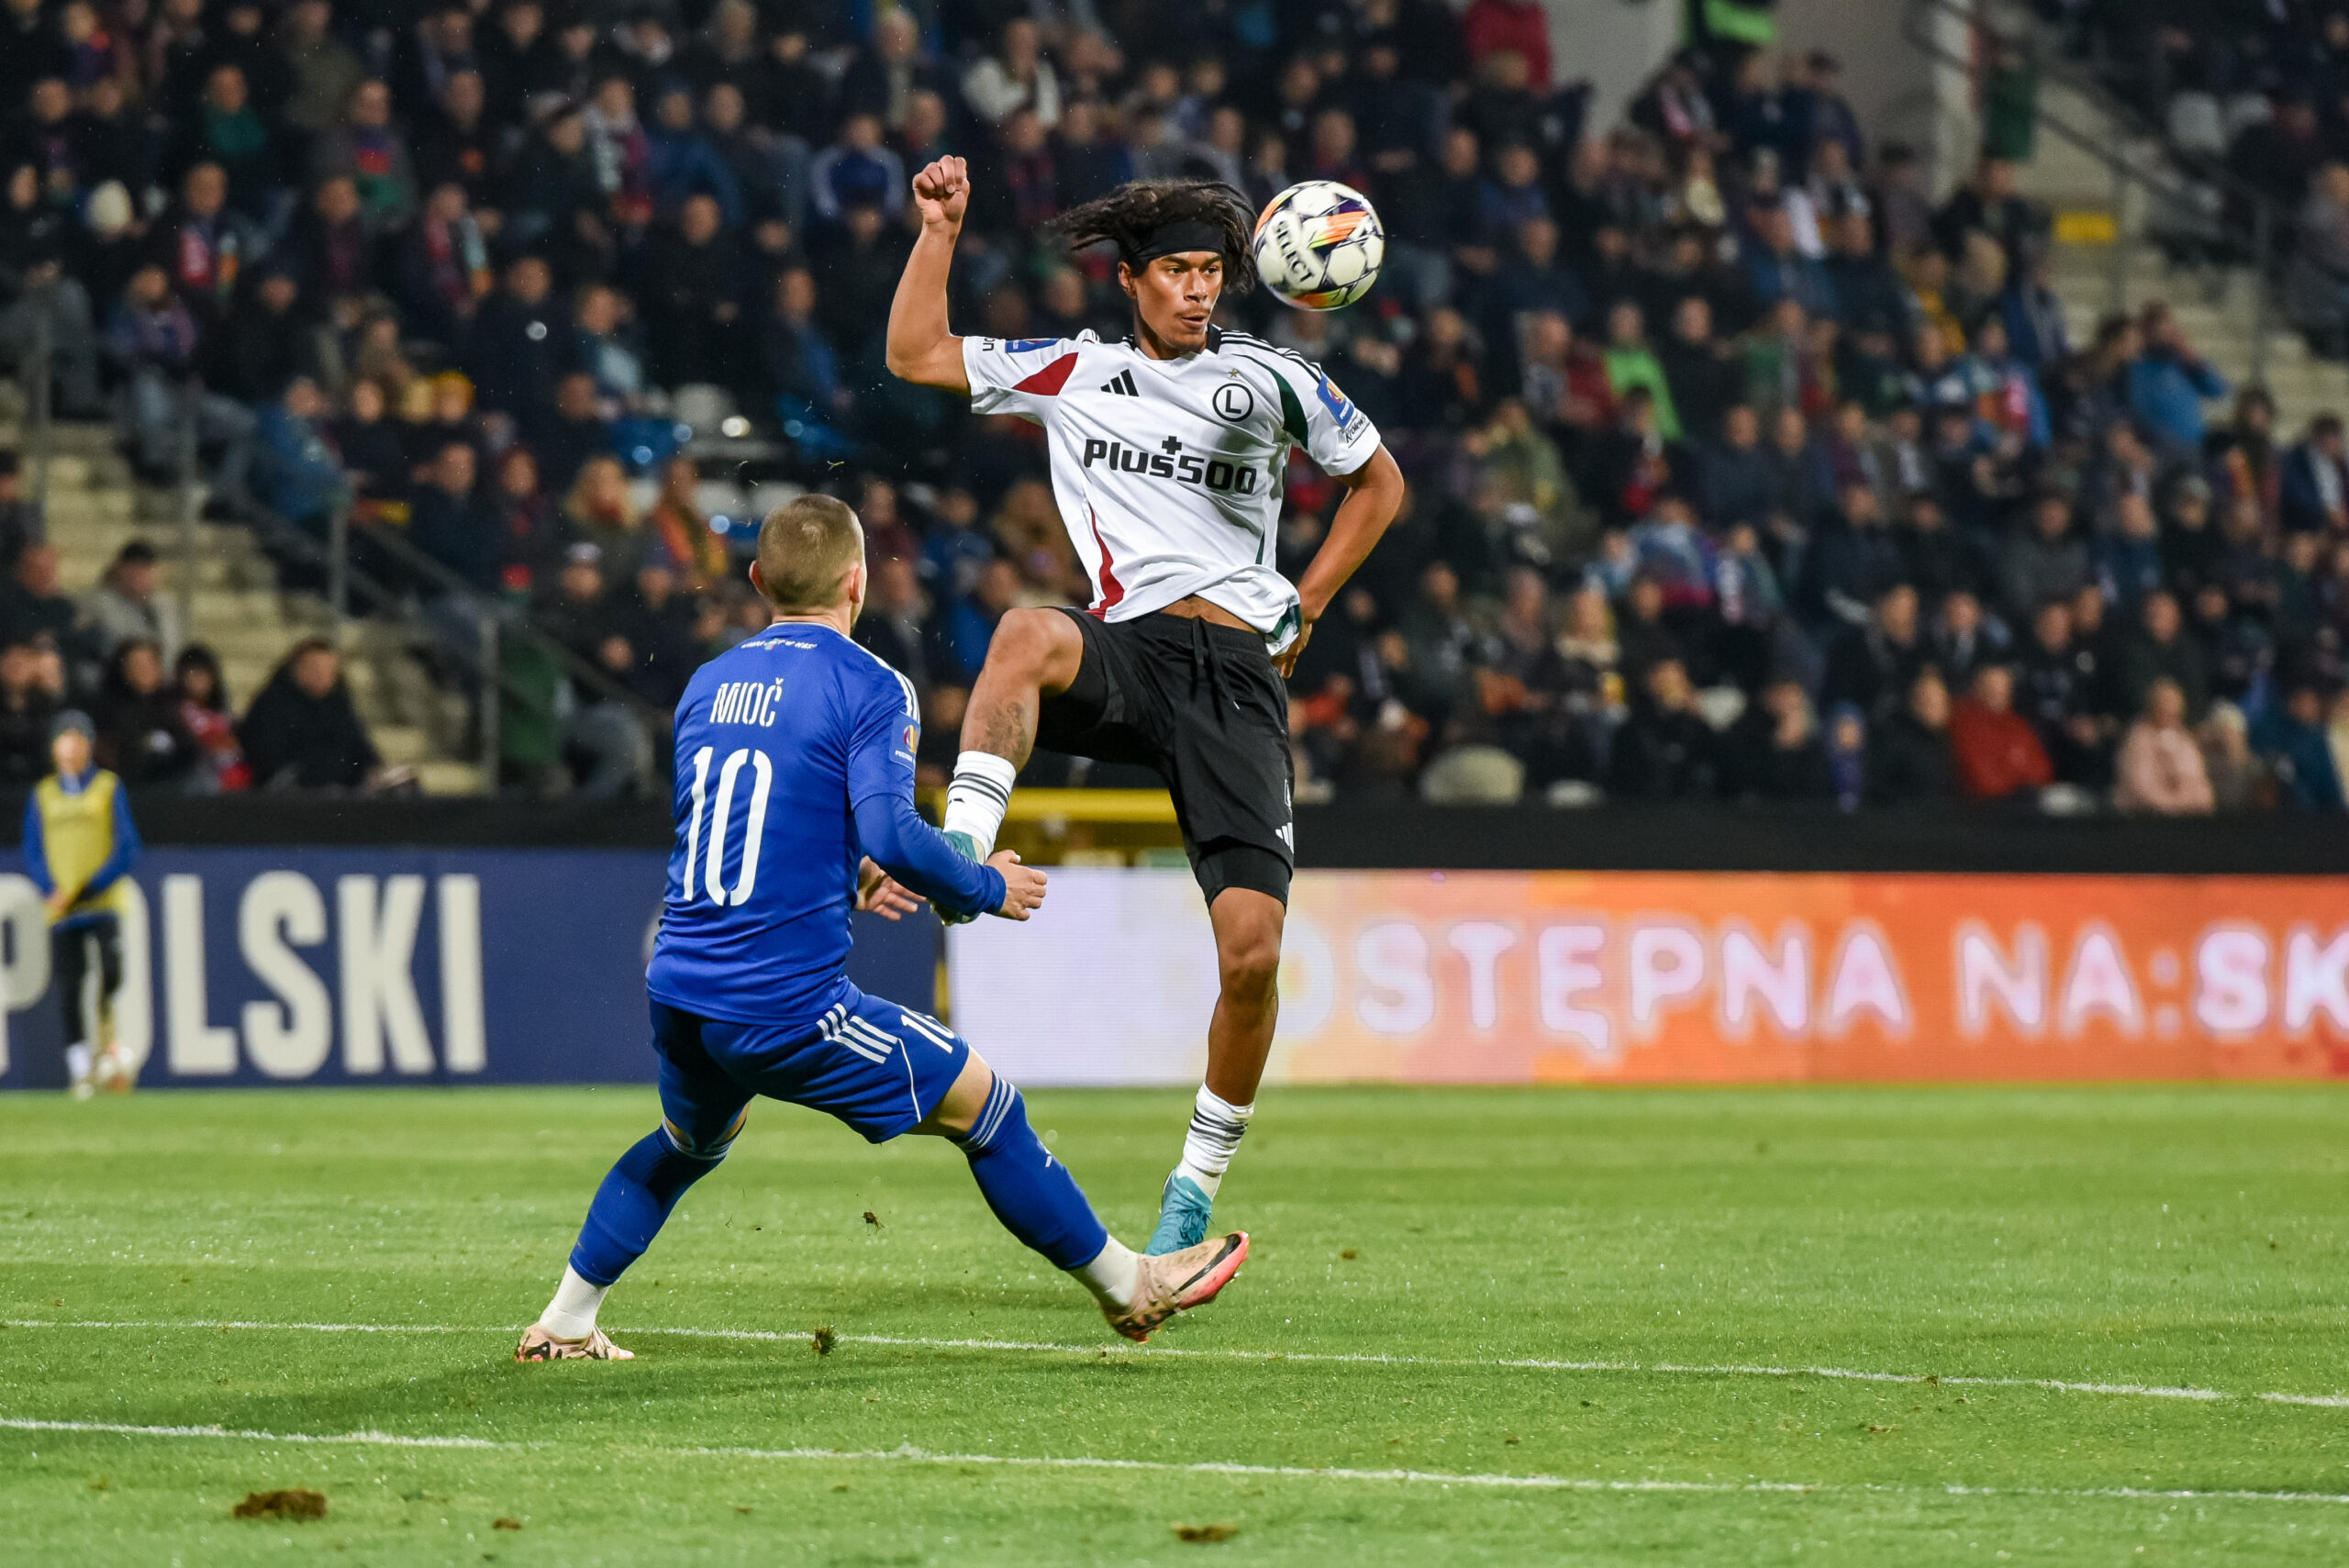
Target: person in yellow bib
[{"x": 79, "y": 845}]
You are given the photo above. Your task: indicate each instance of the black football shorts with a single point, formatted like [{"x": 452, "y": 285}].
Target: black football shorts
[{"x": 1203, "y": 705}]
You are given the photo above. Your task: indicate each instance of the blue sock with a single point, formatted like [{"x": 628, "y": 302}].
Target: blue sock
[
  {"x": 633, "y": 1203},
  {"x": 1031, "y": 1191}
]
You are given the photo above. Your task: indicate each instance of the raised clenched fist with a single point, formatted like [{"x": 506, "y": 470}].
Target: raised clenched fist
[{"x": 942, "y": 192}]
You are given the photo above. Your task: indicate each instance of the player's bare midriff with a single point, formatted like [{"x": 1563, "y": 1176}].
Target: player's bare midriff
[{"x": 1196, "y": 608}]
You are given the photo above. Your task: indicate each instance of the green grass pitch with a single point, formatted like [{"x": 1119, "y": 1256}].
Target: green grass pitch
[{"x": 1372, "y": 1387}]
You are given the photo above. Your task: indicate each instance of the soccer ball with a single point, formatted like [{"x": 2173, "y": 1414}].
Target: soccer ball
[{"x": 1319, "y": 245}]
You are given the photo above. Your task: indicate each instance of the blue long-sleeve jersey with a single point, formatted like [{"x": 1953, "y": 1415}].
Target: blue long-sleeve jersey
[{"x": 794, "y": 760}]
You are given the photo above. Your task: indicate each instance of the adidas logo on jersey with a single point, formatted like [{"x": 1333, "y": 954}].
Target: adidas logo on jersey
[
  {"x": 1122, "y": 383},
  {"x": 1171, "y": 462}
]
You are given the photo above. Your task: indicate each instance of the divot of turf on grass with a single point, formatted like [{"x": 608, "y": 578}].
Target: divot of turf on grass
[{"x": 289, "y": 1503}]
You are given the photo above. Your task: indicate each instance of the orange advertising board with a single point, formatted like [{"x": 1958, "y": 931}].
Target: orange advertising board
[{"x": 1496, "y": 977}]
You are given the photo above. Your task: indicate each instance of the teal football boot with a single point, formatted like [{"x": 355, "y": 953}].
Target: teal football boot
[{"x": 1184, "y": 1210}]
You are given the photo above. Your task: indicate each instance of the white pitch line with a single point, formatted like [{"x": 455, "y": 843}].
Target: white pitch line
[
  {"x": 372, "y": 1440},
  {"x": 908, "y": 1455},
  {"x": 1204, "y": 1468},
  {"x": 1342, "y": 1357}
]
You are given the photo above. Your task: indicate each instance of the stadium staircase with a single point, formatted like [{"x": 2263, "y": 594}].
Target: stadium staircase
[
  {"x": 96, "y": 505},
  {"x": 2162, "y": 216}
]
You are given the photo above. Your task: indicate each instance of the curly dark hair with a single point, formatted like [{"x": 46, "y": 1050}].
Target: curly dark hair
[{"x": 1129, "y": 215}]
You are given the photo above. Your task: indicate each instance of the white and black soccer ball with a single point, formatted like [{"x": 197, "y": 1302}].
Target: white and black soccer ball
[{"x": 1319, "y": 245}]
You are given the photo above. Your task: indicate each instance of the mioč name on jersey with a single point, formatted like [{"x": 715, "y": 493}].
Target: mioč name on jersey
[{"x": 1173, "y": 462}]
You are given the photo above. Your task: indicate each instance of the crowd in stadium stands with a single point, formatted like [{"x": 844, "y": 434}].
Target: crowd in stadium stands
[{"x": 1741, "y": 468}]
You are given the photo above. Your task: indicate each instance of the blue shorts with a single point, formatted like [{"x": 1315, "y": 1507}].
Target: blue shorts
[{"x": 877, "y": 1066}]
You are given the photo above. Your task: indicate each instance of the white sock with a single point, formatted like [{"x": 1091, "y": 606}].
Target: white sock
[
  {"x": 77, "y": 1061},
  {"x": 571, "y": 1314},
  {"x": 1111, "y": 1275},
  {"x": 1216, "y": 1127},
  {"x": 978, "y": 795}
]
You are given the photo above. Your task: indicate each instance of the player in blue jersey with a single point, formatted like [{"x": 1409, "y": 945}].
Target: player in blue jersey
[{"x": 794, "y": 801}]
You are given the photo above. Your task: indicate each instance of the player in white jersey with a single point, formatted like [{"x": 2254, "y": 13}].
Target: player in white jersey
[{"x": 1167, "y": 455}]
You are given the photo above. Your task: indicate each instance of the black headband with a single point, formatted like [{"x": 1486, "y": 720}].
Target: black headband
[{"x": 1174, "y": 238}]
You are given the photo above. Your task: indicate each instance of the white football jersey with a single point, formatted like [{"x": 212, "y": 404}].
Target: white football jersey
[{"x": 1168, "y": 472}]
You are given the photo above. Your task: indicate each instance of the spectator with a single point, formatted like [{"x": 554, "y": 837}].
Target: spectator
[
  {"x": 2315, "y": 480},
  {"x": 1854, "y": 562},
  {"x": 891, "y": 627},
  {"x": 154, "y": 339},
  {"x": 331, "y": 249},
  {"x": 574, "y": 434},
  {"x": 1961, "y": 640},
  {"x": 2047, "y": 561},
  {"x": 303, "y": 732},
  {"x": 1631, "y": 364},
  {"x": 2169, "y": 382},
  {"x": 2161, "y": 768},
  {"x": 2061, "y": 689},
  {"x": 444, "y": 266},
  {"x": 2127, "y": 557},
  {"x": 210, "y": 725},
  {"x": 1871, "y": 667},
  {"x": 1665, "y": 750},
  {"x": 1564, "y": 388},
  {"x": 883, "y": 80},
  {"x": 1509, "y": 27},
  {"x": 26, "y": 712},
  {"x": 1910, "y": 755},
  {"x": 2162, "y": 651},
  {"x": 31, "y": 607},
  {"x": 2291, "y": 738},
  {"x": 2237, "y": 778},
  {"x": 1777, "y": 270},
  {"x": 656, "y": 618},
  {"x": 691, "y": 286},
  {"x": 1996, "y": 752},
  {"x": 1703, "y": 381},
  {"x": 1016, "y": 76},
  {"x": 139, "y": 735},
  {"x": 124, "y": 605},
  {"x": 1987, "y": 206},
  {"x": 682, "y": 163},
  {"x": 2033, "y": 316},
  {"x": 1735, "y": 479},
  {"x": 1775, "y": 751},
  {"x": 453, "y": 526},
  {"x": 608, "y": 752},
  {"x": 599, "y": 512},
  {"x": 1532, "y": 281},
  {"x": 1869, "y": 295},
  {"x": 21, "y": 522},
  {"x": 519, "y": 343},
  {"x": 365, "y": 148},
  {"x": 269, "y": 338},
  {"x": 684, "y": 529},
  {"x": 229, "y": 133},
  {"x": 301, "y": 474},
  {"x": 460, "y": 145},
  {"x": 323, "y": 73},
  {"x": 204, "y": 244},
  {"x": 967, "y": 623}
]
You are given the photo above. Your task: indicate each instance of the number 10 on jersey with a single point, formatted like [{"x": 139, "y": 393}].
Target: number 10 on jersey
[{"x": 720, "y": 821}]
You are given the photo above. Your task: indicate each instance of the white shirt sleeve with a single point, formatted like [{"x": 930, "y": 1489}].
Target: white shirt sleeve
[
  {"x": 1338, "y": 435},
  {"x": 1010, "y": 375}
]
